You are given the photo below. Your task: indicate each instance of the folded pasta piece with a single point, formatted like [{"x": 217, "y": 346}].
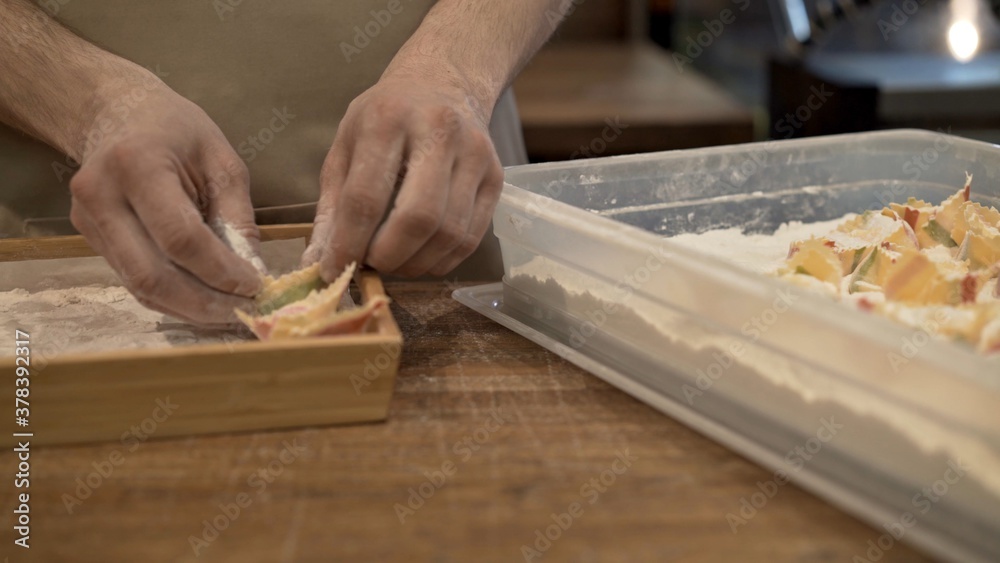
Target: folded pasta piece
[
  {"x": 949, "y": 212},
  {"x": 297, "y": 305},
  {"x": 290, "y": 288}
]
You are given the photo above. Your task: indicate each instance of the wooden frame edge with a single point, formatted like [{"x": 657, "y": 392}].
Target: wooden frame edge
[{"x": 75, "y": 246}]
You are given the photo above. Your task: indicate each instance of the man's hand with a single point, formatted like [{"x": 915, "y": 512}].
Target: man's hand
[
  {"x": 432, "y": 142},
  {"x": 424, "y": 126},
  {"x": 142, "y": 197},
  {"x": 153, "y": 169}
]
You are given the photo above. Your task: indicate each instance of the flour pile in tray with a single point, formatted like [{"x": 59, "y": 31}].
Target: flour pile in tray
[
  {"x": 96, "y": 319},
  {"x": 76, "y": 305}
]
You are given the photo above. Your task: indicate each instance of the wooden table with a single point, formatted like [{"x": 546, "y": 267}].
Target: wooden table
[{"x": 508, "y": 434}]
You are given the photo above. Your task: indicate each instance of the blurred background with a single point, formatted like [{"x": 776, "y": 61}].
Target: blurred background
[{"x": 626, "y": 76}]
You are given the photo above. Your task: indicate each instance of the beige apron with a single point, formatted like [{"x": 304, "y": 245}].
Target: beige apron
[{"x": 275, "y": 76}]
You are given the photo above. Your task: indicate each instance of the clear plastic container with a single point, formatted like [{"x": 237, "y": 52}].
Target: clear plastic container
[{"x": 872, "y": 415}]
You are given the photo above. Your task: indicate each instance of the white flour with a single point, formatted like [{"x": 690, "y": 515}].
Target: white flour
[
  {"x": 77, "y": 305},
  {"x": 237, "y": 243},
  {"x": 649, "y": 326},
  {"x": 91, "y": 319},
  {"x": 758, "y": 253}
]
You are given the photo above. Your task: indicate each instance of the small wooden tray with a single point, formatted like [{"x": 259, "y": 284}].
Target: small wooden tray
[{"x": 202, "y": 389}]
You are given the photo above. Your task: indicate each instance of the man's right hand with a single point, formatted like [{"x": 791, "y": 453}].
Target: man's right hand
[
  {"x": 147, "y": 190},
  {"x": 155, "y": 170}
]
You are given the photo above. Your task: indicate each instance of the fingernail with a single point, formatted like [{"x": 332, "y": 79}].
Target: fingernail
[
  {"x": 310, "y": 256},
  {"x": 328, "y": 274},
  {"x": 329, "y": 269},
  {"x": 248, "y": 307},
  {"x": 251, "y": 283}
]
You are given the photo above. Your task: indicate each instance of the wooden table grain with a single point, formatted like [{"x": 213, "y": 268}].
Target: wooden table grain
[{"x": 491, "y": 442}]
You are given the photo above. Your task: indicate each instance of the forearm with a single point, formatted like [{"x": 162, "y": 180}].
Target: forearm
[
  {"x": 53, "y": 83},
  {"x": 479, "y": 45}
]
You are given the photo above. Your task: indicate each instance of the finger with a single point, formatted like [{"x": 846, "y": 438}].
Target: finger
[
  {"x": 85, "y": 225},
  {"x": 152, "y": 278},
  {"x": 230, "y": 211},
  {"x": 333, "y": 174},
  {"x": 98, "y": 245},
  {"x": 320, "y": 232},
  {"x": 360, "y": 202},
  {"x": 331, "y": 181},
  {"x": 419, "y": 208},
  {"x": 486, "y": 201},
  {"x": 82, "y": 222},
  {"x": 457, "y": 218},
  {"x": 161, "y": 204}
]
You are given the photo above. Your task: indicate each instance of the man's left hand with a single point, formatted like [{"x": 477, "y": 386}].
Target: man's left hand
[{"x": 432, "y": 142}]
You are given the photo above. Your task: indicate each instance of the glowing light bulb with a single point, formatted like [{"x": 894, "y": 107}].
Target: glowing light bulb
[{"x": 963, "y": 40}]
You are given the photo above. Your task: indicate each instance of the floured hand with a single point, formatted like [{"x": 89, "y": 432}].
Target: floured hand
[
  {"x": 144, "y": 197},
  {"x": 431, "y": 140}
]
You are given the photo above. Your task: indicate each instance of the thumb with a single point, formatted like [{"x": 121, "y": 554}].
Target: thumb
[
  {"x": 320, "y": 247},
  {"x": 314, "y": 250},
  {"x": 246, "y": 247},
  {"x": 230, "y": 213}
]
